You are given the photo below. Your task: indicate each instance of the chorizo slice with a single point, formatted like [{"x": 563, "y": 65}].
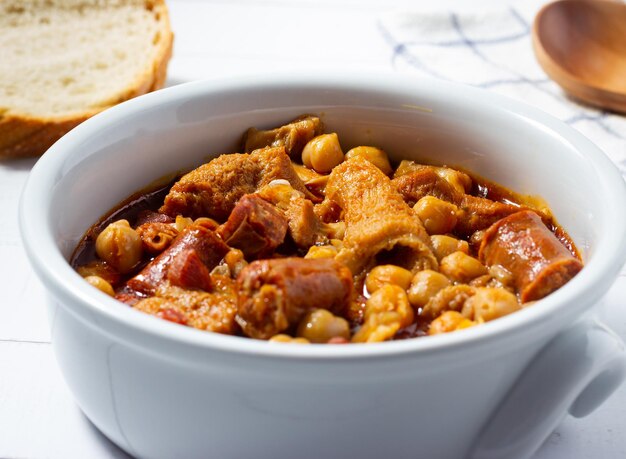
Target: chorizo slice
[
  {"x": 185, "y": 263},
  {"x": 524, "y": 246},
  {"x": 276, "y": 294},
  {"x": 255, "y": 226}
]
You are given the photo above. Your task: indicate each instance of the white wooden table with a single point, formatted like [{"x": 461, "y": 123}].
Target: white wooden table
[{"x": 38, "y": 418}]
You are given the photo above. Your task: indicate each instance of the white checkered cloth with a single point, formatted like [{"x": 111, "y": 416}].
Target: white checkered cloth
[{"x": 492, "y": 50}]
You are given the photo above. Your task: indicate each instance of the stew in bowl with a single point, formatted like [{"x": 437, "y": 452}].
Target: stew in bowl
[{"x": 295, "y": 241}]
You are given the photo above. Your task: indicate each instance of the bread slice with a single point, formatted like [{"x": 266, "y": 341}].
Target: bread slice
[{"x": 63, "y": 61}]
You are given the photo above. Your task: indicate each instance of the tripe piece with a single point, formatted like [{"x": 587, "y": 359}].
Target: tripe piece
[
  {"x": 380, "y": 226},
  {"x": 213, "y": 189}
]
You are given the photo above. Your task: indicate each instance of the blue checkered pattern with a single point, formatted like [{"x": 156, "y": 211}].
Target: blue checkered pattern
[{"x": 493, "y": 50}]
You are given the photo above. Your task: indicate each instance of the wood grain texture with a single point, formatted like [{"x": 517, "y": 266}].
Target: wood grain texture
[{"x": 581, "y": 44}]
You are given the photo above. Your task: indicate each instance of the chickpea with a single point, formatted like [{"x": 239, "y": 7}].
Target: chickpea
[
  {"x": 101, "y": 284},
  {"x": 321, "y": 251},
  {"x": 235, "y": 261},
  {"x": 424, "y": 285},
  {"x": 101, "y": 269},
  {"x": 282, "y": 338},
  {"x": 387, "y": 274},
  {"x": 502, "y": 275},
  {"x": 182, "y": 222},
  {"x": 322, "y": 153},
  {"x": 320, "y": 325},
  {"x": 476, "y": 238},
  {"x": 459, "y": 180},
  {"x": 445, "y": 245},
  {"x": 120, "y": 246},
  {"x": 461, "y": 267},
  {"x": 449, "y": 321},
  {"x": 438, "y": 216},
  {"x": 374, "y": 155},
  {"x": 490, "y": 303},
  {"x": 386, "y": 311},
  {"x": 407, "y": 167}
]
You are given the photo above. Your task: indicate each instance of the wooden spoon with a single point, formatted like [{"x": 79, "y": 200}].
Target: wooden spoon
[{"x": 581, "y": 44}]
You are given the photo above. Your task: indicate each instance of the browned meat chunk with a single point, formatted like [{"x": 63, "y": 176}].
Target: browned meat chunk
[
  {"x": 425, "y": 181},
  {"x": 293, "y": 136},
  {"x": 276, "y": 294},
  {"x": 187, "y": 270},
  {"x": 304, "y": 225},
  {"x": 213, "y": 189},
  {"x": 476, "y": 213},
  {"x": 479, "y": 213},
  {"x": 525, "y": 247},
  {"x": 186, "y": 263},
  {"x": 255, "y": 227},
  {"x": 213, "y": 311},
  {"x": 380, "y": 226}
]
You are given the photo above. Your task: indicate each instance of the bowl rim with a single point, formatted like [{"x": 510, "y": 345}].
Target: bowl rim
[{"x": 58, "y": 277}]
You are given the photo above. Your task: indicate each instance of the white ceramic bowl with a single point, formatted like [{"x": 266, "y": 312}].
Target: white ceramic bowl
[{"x": 162, "y": 390}]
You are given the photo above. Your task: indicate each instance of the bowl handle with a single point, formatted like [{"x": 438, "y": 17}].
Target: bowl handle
[{"x": 575, "y": 373}]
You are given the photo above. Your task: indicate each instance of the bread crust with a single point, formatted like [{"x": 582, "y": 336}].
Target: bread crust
[{"x": 24, "y": 135}]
